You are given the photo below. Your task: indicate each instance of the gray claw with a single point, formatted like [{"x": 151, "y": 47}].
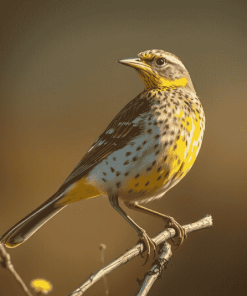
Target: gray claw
[
  {"x": 148, "y": 244},
  {"x": 180, "y": 231}
]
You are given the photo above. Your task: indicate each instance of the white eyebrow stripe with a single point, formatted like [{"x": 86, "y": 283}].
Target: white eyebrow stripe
[
  {"x": 161, "y": 53},
  {"x": 173, "y": 60}
]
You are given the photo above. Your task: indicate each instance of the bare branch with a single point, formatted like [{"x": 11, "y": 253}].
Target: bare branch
[
  {"x": 137, "y": 250},
  {"x": 6, "y": 262},
  {"x": 156, "y": 271}
]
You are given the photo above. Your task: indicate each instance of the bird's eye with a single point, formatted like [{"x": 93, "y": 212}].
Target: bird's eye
[{"x": 160, "y": 61}]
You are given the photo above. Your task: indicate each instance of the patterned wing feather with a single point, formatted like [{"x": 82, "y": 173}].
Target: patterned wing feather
[{"x": 123, "y": 129}]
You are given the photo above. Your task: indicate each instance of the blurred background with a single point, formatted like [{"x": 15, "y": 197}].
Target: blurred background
[{"x": 60, "y": 86}]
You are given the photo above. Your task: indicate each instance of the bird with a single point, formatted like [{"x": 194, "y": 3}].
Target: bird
[{"x": 148, "y": 147}]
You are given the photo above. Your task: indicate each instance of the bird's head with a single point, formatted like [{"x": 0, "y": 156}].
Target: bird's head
[{"x": 160, "y": 70}]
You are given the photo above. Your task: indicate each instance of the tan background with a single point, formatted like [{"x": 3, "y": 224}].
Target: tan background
[{"x": 61, "y": 86}]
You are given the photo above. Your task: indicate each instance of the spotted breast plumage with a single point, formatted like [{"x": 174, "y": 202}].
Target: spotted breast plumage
[{"x": 146, "y": 150}]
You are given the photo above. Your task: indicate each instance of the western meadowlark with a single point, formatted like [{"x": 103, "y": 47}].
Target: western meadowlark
[{"x": 147, "y": 149}]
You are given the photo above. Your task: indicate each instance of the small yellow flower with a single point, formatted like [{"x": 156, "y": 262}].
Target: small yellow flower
[{"x": 41, "y": 285}]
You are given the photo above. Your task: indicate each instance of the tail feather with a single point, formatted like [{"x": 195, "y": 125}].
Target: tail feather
[{"x": 21, "y": 231}]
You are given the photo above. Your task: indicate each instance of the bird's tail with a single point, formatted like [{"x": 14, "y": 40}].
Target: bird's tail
[{"x": 21, "y": 231}]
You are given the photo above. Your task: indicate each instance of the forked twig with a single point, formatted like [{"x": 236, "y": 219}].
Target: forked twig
[
  {"x": 137, "y": 250},
  {"x": 156, "y": 270}
]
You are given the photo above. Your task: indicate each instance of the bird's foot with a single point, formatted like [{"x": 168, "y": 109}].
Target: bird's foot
[
  {"x": 180, "y": 231},
  {"x": 148, "y": 243}
]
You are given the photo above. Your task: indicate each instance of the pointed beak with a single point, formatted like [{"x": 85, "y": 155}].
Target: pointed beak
[{"x": 135, "y": 63}]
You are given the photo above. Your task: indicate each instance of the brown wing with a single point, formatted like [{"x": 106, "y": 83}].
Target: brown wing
[{"x": 119, "y": 132}]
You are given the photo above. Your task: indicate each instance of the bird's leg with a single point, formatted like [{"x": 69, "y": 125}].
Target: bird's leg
[
  {"x": 170, "y": 221},
  {"x": 148, "y": 243}
]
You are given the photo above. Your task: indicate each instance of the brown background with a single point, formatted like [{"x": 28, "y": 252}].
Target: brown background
[{"x": 61, "y": 86}]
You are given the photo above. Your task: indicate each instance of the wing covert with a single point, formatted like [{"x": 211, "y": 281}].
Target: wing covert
[{"x": 127, "y": 125}]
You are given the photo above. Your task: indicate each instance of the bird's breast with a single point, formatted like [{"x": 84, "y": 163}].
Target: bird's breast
[{"x": 157, "y": 159}]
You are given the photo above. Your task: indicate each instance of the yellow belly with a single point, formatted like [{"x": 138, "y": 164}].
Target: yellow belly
[{"x": 176, "y": 165}]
